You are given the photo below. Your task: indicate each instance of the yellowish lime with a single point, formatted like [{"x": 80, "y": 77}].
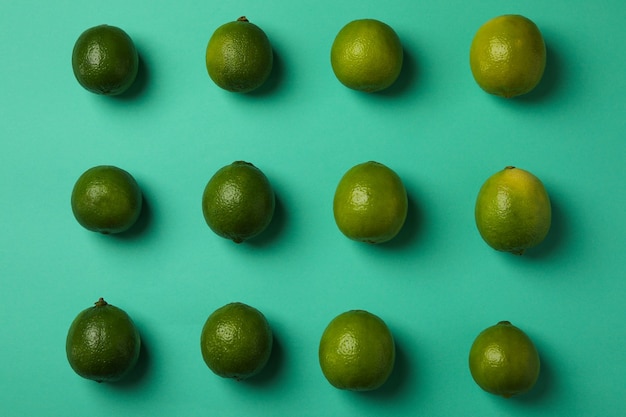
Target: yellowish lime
[
  {"x": 357, "y": 351},
  {"x": 370, "y": 203},
  {"x": 513, "y": 211},
  {"x": 503, "y": 360},
  {"x": 508, "y": 56},
  {"x": 367, "y": 55}
]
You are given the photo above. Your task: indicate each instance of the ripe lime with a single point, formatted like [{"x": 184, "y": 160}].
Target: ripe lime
[
  {"x": 238, "y": 202},
  {"x": 102, "y": 343},
  {"x": 239, "y": 56},
  {"x": 106, "y": 199},
  {"x": 504, "y": 361},
  {"x": 508, "y": 56},
  {"x": 357, "y": 351},
  {"x": 105, "y": 60},
  {"x": 366, "y": 55},
  {"x": 513, "y": 211},
  {"x": 236, "y": 341},
  {"x": 370, "y": 203}
]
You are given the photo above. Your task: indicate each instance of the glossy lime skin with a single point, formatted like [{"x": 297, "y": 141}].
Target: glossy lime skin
[
  {"x": 105, "y": 60},
  {"x": 236, "y": 341},
  {"x": 106, "y": 199},
  {"x": 239, "y": 56},
  {"x": 508, "y": 56},
  {"x": 367, "y": 55},
  {"x": 513, "y": 211},
  {"x": 504, "y": 361},
  {"x": 370, "y": 203},
  {"x": 357, "y": 351},
  {"x": 238, "y": 202},
  {"x": 102, "y": 343}
]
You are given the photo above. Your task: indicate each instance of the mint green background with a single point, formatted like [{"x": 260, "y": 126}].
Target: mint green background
[{"x": 437, "y": 285}]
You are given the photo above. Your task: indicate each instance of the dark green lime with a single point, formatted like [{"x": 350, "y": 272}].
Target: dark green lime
[
  {"x": 239, "y": 56},
  {"x": 105, "y": 60},
  {"x": 238, "y": 202},
  {"x": 102, "y": 343},
  {"x": 106, "y": 199},
  {"x": 236, "y": 341}
]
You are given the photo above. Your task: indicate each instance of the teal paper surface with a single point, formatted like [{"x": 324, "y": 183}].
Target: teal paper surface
[{"x": 437, "y": 285}]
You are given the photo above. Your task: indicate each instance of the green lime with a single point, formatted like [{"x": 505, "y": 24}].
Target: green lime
[
  {"x": 238, "y": 202},
  {"x": 106, "y": 199},
  {"x": 236, "y": 341},
  {"x": 239, "y": 56},
  {"x": 357, "y": 351},
  {"x": 105, "y": 60},
  {"x": 508, "y": 56},
  {"x": 504, "y": 361},
  {"x": 513, "y": 211},
  {"x": 370, "y": 203},
  {"x": 367, "y": 55},
  {"x": 102, "y": 343}
]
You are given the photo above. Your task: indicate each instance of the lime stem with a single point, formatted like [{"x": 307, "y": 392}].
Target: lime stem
[
  {"x": 243, "y": 19},
  {"x": 101, "y": 303}
]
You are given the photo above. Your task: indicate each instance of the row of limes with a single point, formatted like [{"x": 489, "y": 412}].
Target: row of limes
[
  {"x": 507, "y": 57},
  {"x": 356, "y": 350},
  {"x": 512, "y": 209}
]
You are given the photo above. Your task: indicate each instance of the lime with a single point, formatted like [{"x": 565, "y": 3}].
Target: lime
[
  {"x": 239, "y": 56},
  {"x": 357, "y": 351},
  {"x": 105, "y": 60},
  {"x": 102, "y": 343},
  {"x": 238, "y": 202},
  {"x": 370, "y": 203},
  {"x": 106, "y": 199},
  {"x": 236, "y": 341},
  {"x": 366, "y": 55},
  {"x": 504, "y": 361},
  {"x": 508, "y": 56},
  {"x": 513, "y": 211}
]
